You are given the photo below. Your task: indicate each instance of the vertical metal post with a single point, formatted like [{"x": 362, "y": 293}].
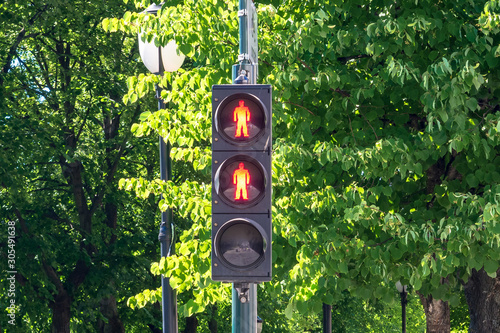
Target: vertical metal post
[
  {"x": 327, "y": 318},
  {"x": 165, "y": 236},
  {"x": 243, "y": 27},
  {"x": 244, "y": 315},
  {"x": 404, "y": 301}
]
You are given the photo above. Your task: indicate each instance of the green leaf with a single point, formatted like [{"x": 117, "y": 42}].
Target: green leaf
[
  {"x": 472, "y": 181},
  {"x": 472, "y": 104},
  {"x": 144, "y": 115},
  {"x": 289, "y": 311},
  {"x": 417, "y": 283},
  {"x": 491, "y": 268},
  {"x": 105, "y": 24},
  {"x": 343, "y": 267},
  {"x": 425, "y": 269}
]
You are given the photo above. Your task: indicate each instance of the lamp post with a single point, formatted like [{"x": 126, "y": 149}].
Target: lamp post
[
  {"x": 404, "y": 300},
  {"x": 159, "y": 60},
  {"x": 327, "y": 318}
]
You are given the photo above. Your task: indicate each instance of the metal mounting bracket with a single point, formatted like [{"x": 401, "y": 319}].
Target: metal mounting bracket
[
  {"x": 243, "y": 56},
  {"x": 242, "y": 288}
]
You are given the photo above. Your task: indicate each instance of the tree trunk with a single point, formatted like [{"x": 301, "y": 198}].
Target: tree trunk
[
  {"x": 437, "y": 314},
  {"x": 212, "y": 324},
  {"x": 191, "y": 324},
  {"x": 483, "y": 298},
  {"x": 110, "y": 312},
  {"x": 61, "y": 312}
]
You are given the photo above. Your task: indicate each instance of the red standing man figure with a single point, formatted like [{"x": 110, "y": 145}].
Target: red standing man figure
[
  {"x": 241, "y": 178},
  {"x": 241, "y": 117}
]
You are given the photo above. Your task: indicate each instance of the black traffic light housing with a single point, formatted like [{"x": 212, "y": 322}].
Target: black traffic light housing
[{"x": 241, "y": 183}]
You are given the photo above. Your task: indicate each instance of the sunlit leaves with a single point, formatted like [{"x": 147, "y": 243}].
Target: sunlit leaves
[
  {"x": 373, "y": 174},
  {"x": 189, "y": 198},
  {"x": 386, "y": 140}
]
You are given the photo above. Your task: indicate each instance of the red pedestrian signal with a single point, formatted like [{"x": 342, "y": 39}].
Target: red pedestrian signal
[
  {"x": 241, "y": 117},
  {"x": 240, "y": 120},
  {"x": 241, "y": 178},
  {"x": 241, "y": 183}
]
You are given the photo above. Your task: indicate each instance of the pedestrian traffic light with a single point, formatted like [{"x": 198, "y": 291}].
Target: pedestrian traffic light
[{"x": 241, "y": 183}]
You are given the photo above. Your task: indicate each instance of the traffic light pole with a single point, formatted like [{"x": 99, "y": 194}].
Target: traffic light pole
[
  {"x": 165, "y": 236},
  {"x": 245, "y": 314},
  {"x": 244, "y": 308}
]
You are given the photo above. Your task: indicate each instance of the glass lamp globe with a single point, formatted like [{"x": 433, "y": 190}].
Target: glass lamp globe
[
  {"x": 160, "y": 59},
  {"x": 401, "y": 288}
]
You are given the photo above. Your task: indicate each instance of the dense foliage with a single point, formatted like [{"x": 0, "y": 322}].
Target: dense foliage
[
  {"x": 386, "y": 141},
  {"x": 65, "y": 142},
  {"x": 386, "y": 158}
]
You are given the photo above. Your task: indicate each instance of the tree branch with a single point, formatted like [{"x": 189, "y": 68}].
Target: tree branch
[
  {"x": 347, "y": 59},
  {"x": 300, "y": 106},
  {"x": 306, "y": 66}
]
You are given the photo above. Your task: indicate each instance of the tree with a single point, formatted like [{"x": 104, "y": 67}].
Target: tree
[
  {"x": 81, "y": 245},
  {"x": 386, "y": 148}
]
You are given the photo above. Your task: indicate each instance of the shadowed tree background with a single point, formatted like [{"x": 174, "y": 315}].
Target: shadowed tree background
[
  {"x": 81, "y": 245},
  {"x": 385, "y": 166}
]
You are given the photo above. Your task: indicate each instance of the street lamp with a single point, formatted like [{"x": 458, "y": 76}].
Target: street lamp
[
  {"x": 403, "y": 293},
  {"x": 159, "y": 60},
  {"x": 168, "y": 57}
]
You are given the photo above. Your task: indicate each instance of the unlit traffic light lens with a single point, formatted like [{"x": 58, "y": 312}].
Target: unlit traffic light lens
[{"x": 241, "y": 244}]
